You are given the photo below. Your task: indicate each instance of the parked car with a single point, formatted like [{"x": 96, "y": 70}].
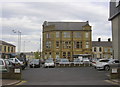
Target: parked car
[
  {"x": 64, "y": 61},
  {"x": 25, "y": 63},
  {"x": 77, "y": 61},
  {"x": 86, "y": 61},
  {"x": 106, "y": 64},
  {"x": 17, "y": 62},
  {"x": 93, "y": 61},
  {"x": 35, "y": 63},
  {"x": 5, "y": 65},
  {"x": 42, "y": 61},
  {"x": 49, "y": 63},
  {"x": 57, "y": 60}
]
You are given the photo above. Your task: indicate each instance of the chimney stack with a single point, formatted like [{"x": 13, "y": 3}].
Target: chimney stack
[
  {"x": 109, "y": 39},
  {"x": 99, "y": 39}
]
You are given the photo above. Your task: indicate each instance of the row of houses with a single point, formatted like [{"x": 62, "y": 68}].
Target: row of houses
[
  {"x": 65, "y": 39},
  {"x": 7, "y": 50}
]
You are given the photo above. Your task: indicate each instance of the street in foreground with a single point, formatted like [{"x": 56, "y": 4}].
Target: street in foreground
[{"x": 65, "y": 76}]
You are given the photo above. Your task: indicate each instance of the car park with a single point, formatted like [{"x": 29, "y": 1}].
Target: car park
[
  {"x": 35, "y": 63},
  {"x": 49, "y": 63},
  {"x": 106, "y": 64}
]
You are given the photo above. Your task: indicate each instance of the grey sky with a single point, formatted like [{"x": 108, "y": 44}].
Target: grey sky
[{"x": 28, "y": 18}]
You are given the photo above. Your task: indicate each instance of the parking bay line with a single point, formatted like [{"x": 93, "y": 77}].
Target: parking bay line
[{"x": 21, "y": 82}]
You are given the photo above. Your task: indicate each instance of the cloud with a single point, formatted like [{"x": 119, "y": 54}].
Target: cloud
[{"x": 28, "y": 18}]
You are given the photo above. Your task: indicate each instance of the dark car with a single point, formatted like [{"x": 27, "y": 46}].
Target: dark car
[
  {"x": 35, "y": 63},
  {"x": 24, "y": 62}
]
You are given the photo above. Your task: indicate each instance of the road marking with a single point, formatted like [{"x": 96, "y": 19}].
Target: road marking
[
  {"x": 21, "y": 82},
  {"x": 115, "y": 83}
]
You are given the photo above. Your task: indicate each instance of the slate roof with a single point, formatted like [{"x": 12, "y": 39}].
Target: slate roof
[
  {"x": 5, "y": 43},
  {"x": 67, "y": 25},
  {"x": 102, "y": 43}
]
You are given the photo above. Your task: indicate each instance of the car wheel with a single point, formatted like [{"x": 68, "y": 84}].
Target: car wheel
[{"x": 107, "y": 68}]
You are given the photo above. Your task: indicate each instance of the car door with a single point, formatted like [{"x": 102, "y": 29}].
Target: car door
[{"x": 115, "y": 63}]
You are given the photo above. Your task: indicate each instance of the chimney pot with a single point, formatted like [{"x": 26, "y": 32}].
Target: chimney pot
[
  {"x": 99, "y": 39},
  {"x": 109, "y": 39}
]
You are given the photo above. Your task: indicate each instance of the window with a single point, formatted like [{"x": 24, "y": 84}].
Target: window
[
  {"x": 66, "y": 44},
  {"x": 8, "y": 49},
  {"x": 66, "y": 34},
  {"x": 57, "y": 55},
  {"x": 4, "y": 48},
  {"x": 48, "y": 44},
  {"x": 117, "y": 61},
  {"x": 87, "y": 44},
  {"x": 87, "y": 35},
  {"x": 48, "y": 35},
  {"x": 77, "y": 34},
  {"x": 100, "y": 49},
  {"x": 50, "y": 55},
  {"x": 1, "y": 62},
  {"x": 117, "y": 3},
  {"x": 78, "y": 44},
  {"x": 11, "y": 49},
  {"x": 94, "y": 49},
  {"x": 69, "y": 54},
  {"x": 57, "y": 34},
  {"x": 106, "y": 49},
  {"x": 64, "y": 54},
  {"x": 57, "y": 44},
  {"x": 110, "y": 49}
]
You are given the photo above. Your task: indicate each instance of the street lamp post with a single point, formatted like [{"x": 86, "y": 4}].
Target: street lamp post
[{"x": 19, "y": 40}]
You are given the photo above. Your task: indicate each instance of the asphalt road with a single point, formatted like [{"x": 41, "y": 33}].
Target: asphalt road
[{"x": 64, "y": 76}]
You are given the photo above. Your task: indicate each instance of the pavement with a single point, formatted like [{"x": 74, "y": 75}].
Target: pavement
[{"x": 8, "y": 82}]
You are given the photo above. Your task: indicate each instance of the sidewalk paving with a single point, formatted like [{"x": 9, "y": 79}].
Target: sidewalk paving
[
  {"x": 8, "y": 82},
  {"x": 116, "y": 81}
]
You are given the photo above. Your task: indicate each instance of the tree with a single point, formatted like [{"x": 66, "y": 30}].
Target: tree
[{"x": 37, "y": 55}]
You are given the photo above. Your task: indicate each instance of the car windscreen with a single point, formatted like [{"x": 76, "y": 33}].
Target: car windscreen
[
  {"x": 64, "y": 60},
  {"x": 1, "y": 62},
  {"x": 104, "y": 61},
  {"x": 21, "y": 59},
  {"x": 49, "y": 61}
]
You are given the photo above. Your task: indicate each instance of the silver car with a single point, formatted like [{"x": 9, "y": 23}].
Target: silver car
[{"x": 106, "y": 64}]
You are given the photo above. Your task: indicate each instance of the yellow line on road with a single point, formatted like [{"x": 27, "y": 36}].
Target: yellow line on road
[
  {"x": 21, "y": 82},
  {"x": 115, "y": 83}
]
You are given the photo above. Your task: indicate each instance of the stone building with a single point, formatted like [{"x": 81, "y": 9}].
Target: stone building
[
  {"x": 65, "y": 39},
  {"x": 102, "y": 49},
  {"x": 7, "y": 50}
]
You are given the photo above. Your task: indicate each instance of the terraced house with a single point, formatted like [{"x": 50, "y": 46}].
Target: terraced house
[
  {"x": 102, "y": 49},
  {"x": 7, "y": 50},
  {"x": 65, "y": 39}
]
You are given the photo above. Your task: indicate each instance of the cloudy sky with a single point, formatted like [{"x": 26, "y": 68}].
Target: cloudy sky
[{"x": 28, "y": 17}]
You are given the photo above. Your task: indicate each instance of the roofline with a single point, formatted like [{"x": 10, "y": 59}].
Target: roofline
[{"x": 6, "y": 43}]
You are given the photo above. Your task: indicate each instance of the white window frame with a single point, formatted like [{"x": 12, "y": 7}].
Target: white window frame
[
  {"x": 57, "y": 34},
  {"x": 86, "y": 34}
]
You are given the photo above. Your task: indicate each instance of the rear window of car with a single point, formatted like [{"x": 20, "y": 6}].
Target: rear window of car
[
  {"x": 104, "y": 61},
  {"x": 1, "y": 62}
]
